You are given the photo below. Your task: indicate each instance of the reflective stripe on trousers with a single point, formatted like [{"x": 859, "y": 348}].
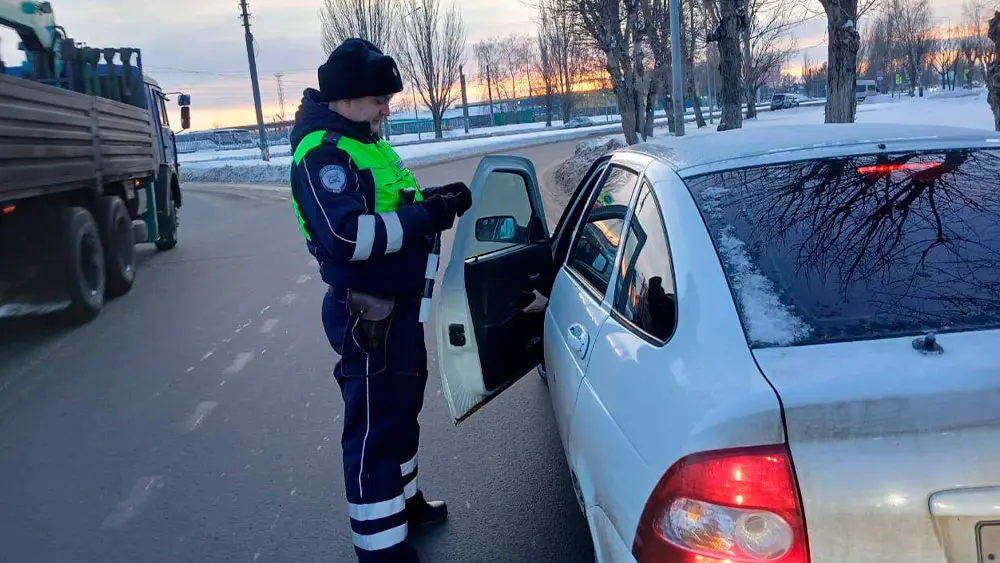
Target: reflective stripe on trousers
[{"x": 381, "y": 432}]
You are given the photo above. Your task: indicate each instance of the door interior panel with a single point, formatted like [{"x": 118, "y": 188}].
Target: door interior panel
[{"x": 498, "y": 287}]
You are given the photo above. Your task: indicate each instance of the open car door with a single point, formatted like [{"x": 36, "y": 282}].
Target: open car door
[{"x": 500, "y": 257}]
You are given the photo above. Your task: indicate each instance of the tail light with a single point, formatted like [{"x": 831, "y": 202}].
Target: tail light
[{"x": 733, "y": 506}]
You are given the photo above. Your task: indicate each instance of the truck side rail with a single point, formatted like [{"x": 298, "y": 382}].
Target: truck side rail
[{"x": 54, "y": 140}]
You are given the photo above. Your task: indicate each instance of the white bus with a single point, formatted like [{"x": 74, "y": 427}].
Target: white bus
[{"x": 864, "y": 88}]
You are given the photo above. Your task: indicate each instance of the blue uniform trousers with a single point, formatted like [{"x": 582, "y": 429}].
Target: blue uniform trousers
[{"x": 383, "y": 390}]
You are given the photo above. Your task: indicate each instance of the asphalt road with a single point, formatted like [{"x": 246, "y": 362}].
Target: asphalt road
[{"x": 196, "y": 418}]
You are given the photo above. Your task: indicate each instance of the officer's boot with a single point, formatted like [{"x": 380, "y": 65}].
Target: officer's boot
[{"x": 421, "y": 512}]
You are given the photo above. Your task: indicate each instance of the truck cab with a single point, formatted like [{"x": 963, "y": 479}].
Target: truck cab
[{"x": 165, "y": 150}]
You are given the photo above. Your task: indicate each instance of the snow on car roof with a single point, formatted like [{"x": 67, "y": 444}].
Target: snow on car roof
[{"x": 790, "y": 141}]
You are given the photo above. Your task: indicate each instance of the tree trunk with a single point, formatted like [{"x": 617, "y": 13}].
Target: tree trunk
[
  {"x": 690, "y": 46},
  {"x": 728, "y": 36},
  {"x": 749, "y": 80},
  {"x": 549, "y": 102},
  {"x": 651, "y": 96},
  {"x": 692, "y": 92},
  {"x": 626, "y": 100},
  {"x": 438, "y": 128},
  {"x": 993, "y": 72},
  {"x": 842, "y": 57},
  {"x": 567, "y": 95},
  {"x": 489, "y": 90}
]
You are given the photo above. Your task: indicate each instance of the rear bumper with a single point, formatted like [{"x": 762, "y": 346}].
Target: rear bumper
[{"x": 609, "y": 547}]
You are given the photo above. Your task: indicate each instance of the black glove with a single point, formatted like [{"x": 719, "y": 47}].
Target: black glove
[
  {"x": 457, "y": 188},
  {"x": 442, "y": 209}
]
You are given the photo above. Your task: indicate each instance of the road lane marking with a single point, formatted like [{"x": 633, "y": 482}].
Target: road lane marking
[
  {"x": 264, "y": 310},
  {"x": 239, "y": 363},
  {"x": 198, "y": 416},
  {"x": 190, "y": 369},
  {"x": 243, "y": 326},
  {"x": 269, "y": 325},
  {"x": 208, "y": 354},
  {"x": 129, "y": 508}
]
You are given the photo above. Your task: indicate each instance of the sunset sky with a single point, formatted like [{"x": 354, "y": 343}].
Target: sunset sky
[{"x": 197, "y": 46}]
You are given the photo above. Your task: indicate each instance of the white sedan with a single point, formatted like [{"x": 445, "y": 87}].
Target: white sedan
[{"x": 779, "y": 345}]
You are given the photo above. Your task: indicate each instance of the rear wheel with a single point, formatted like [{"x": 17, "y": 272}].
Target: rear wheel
[
  {"x": 115, "y": 228},
  {"x": 168, "y": 222},
  {"x": 82, "y": 265}
]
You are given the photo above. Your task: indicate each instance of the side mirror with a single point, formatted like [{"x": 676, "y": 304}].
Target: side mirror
[
  {"x": 500, "y": 229},
  {"x": 185, "y": 117},
  {"x": 184, "y": 100}
]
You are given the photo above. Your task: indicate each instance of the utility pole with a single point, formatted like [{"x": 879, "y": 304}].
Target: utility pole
[
  {"x": 678, "y": 70},
  {"x": 465, "y": 100},
  {"x": 245, "y": 15},
  {"x": 281, "y": 95}
]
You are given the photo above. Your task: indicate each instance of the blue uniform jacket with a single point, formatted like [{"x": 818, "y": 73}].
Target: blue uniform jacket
[{"x": 384, "y": 254}]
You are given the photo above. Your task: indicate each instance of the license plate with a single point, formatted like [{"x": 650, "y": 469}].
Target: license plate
[{"x": 989, "y": 543}]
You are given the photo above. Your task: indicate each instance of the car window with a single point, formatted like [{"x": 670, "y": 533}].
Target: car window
[
  {"x": 596, "y": 246},
  {"x": 645, "y": 296},
  {"x": 505, "y": 194},
  {"x": 871, "y": 246}
]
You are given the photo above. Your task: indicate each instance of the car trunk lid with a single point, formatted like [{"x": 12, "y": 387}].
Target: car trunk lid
[{"x": 896, "y": 450}]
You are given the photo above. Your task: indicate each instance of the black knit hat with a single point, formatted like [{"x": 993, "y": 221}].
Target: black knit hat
[{"x": 357, "y": 69}]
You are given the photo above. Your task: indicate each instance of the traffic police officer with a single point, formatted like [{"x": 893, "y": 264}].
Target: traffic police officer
[{"x": 371, "y": 228}]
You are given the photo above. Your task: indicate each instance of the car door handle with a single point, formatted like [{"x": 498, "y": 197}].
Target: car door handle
[{"x": 578, "y": 339}]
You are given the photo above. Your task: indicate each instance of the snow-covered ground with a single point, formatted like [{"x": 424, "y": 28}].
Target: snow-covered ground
[{"x": 960, "y": 108}]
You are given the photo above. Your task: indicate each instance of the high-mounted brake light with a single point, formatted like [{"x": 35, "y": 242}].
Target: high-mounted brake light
[
  {"x": 734, "y": 506},
  {"x": 889, "y": 168},
  {"x": 8, "y": 209}
]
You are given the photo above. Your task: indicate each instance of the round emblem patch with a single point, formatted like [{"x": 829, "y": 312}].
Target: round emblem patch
[{"x": 334, "y": 178}]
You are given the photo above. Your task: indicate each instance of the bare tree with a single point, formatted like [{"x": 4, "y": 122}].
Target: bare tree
[
  {"x": 731, "y": 20},
  {"x": 770, "y": 43},
  {"x": 881, "y": 50},
  {"x": 913, "y": 21},
  {"x": 655, "y": 13},
  {"x": 944, "y": 57},
  {"x": 435, "y": 49},
  {"x": 693, "y": 38},
  {"x": 842, "y": 55},
  {"x": 376, "y": 21},
  {"x": 620, "y": 37},
  {"x": 976, "y": 42},
  {"x": 487, "y": 54},
  {"x": 567, "y": 48},
  {"x": 547, "y": 43}
]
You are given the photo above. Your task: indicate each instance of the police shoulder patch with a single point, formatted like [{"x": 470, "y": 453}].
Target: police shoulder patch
[{"x": 334, "y": 178}]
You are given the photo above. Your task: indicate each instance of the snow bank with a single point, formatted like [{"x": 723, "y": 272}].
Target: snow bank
[
  {"x": 570, "y": 173},
  {"x": 245, "y": 166}
]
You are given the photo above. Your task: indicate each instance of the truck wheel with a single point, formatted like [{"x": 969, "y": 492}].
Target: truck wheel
[
  {"x": 115, "y": 226},
  {"x": 82, "y": 263},
  {"x": 168, "y": 222}
]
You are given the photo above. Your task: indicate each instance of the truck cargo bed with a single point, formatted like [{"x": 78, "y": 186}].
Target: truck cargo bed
[{"x": 54, "y": 140}]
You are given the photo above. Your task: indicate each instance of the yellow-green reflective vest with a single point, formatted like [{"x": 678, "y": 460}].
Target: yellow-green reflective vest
[{"x": 391, "y": 179}]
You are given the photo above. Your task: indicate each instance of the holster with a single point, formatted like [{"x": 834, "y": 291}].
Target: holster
[{"x": 373, "y": 314}]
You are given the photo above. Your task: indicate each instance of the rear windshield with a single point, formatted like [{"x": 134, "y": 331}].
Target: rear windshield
[{"x": 859, "y": 247}]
